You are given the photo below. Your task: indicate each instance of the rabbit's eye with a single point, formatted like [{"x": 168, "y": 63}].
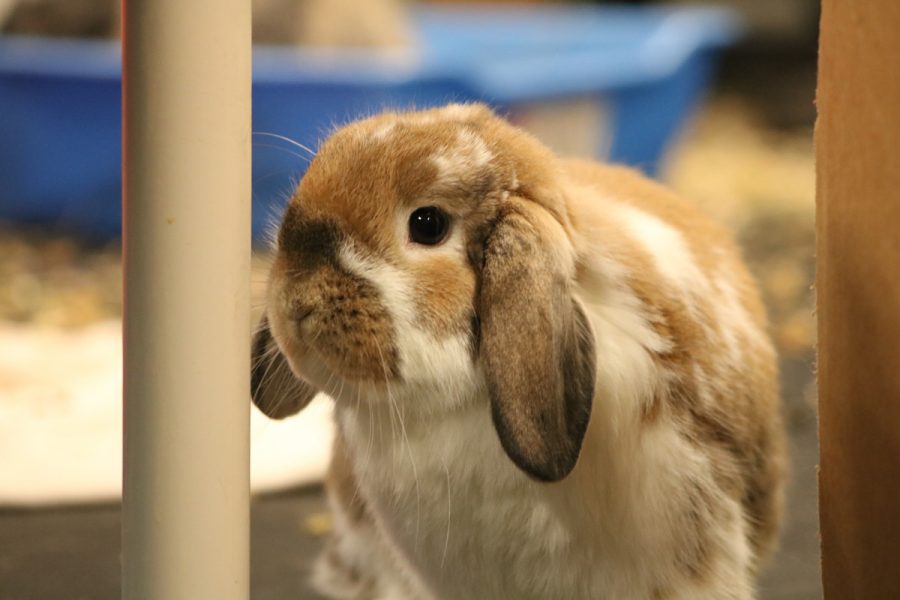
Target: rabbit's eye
[{"x": 428, "y": 225}]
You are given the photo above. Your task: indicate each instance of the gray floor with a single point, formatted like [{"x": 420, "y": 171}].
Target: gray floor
[
  {"x": 73, "y": 553},
  {"x": 794, "y": 573}
]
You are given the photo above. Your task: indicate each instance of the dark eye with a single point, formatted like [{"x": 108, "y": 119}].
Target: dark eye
[{"x": 428, "y": 225}]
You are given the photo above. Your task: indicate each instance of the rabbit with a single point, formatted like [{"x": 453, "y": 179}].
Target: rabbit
[{"x": 552, "y": 378}]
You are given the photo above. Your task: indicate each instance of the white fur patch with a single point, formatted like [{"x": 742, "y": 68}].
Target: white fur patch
[
  {"x": 367, "y": 567},
  {"x": 735, "y": 322},
  {"x": 476, "y": 148},
  {"x": 628, "y": 377},
  {"x": 731, "y": 317},
  {"x": 469, "y": 155},
  {"x": 666, "y": 246},
  {"x": 385, "y": 130},
  {"x": 459, "y": 112},
  {"x": 424, "y": 359}
]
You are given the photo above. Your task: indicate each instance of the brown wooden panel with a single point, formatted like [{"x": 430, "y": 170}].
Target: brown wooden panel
[{"x": 858, "y": 283}]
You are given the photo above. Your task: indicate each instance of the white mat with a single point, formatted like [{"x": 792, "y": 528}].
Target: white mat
[{"x": 61, "y": 421}]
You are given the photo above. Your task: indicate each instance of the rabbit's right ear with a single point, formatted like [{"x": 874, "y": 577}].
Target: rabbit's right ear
[
  {"x": 536, "y": 345},
  {"x": 275, "y": 390}
]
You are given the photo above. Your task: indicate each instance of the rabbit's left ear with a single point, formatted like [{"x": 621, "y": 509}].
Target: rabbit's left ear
[
  {"x": 274, "y": 388},
  {"x": 536, "y": 345}
]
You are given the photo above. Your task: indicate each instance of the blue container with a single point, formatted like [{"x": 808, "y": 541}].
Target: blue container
[{"x": 60, "y": 111}]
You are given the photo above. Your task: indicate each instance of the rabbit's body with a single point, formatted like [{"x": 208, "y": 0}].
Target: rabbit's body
[{"x": 676, "y": 492}]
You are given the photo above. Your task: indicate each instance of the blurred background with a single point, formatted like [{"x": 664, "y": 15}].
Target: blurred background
[{"x": 714, "y": 99}]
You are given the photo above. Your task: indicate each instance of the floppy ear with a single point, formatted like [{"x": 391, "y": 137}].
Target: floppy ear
[
  {"x": 536, "y": 345},
  {"x": 275, "y": 390}
]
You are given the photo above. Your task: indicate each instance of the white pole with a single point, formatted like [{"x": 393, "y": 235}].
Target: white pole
[{"x": 186, "y": 95}]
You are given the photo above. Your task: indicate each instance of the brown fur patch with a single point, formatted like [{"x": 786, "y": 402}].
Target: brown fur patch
[
  {"x": 444, "y": 292},
  {"x": 361, "y": 181},
  {"x": 348, "y": 326}
]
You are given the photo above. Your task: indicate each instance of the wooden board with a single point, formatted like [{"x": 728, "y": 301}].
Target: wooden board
[{"x": 858, "y": 291}]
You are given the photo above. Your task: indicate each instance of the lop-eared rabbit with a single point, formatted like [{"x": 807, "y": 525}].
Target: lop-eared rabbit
[{"x": 551, "y": 378}]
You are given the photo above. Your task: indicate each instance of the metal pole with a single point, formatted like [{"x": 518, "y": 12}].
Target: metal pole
[{"x": 186, "y": 96}]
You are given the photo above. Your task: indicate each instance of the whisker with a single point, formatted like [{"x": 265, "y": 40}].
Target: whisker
[
  {"x": 286, "y": 139},
  {"x": 327, "y": 387},
  {"x": 285, "y": 150},
  {"x": 371, "y": 432},
  {"x": 282, "y": 385},
  {"x": 446, "y": 537},
  {"x": 340, "y": 392},
  {"x": 266, "y": 357},
  {"x": 394, "y": 405}
]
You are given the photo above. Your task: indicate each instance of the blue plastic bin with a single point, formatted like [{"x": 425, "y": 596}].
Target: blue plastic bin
[{"x": 60, "y": 110}]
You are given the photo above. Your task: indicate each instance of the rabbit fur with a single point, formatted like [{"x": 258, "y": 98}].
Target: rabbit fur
[{"x": 571, "y": 396}]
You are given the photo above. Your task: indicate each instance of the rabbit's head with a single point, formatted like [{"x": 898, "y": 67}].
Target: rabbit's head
[{"x": 425, "y": 255}]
